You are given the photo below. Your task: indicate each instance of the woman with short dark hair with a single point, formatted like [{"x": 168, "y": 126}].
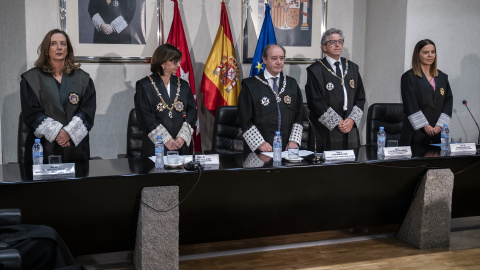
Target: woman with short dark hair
[
  {"x": 164, "y": 104},
  {"x": 58, "y": 101},
  {"x": 427, "y": 98}
]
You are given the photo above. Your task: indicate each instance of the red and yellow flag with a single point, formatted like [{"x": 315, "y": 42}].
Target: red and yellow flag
[
  {"x": 176, "y": 37},
  {"x": 221, "y": 77}
]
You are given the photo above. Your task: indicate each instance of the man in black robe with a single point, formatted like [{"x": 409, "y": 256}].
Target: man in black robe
[
  {"x": 335, "y": 97},
  {"x": 269, "y": 102}
]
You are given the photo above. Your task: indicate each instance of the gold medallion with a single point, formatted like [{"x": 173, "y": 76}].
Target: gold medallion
[
  {"x": 287, "y": 99},
  {"x": 352, "y": 83},
  {"x": 442, "y": 91},
  {"x": 73, "y": 98},
  {"x": 179, "y": 106}
]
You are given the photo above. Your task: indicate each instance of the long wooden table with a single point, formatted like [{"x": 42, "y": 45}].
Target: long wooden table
[{"x": 96, "y": 212}]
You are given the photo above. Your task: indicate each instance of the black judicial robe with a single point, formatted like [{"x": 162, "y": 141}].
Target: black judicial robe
[
  {"x": 327, "y": 105},
  {"x": 419, "y": 97},
  {"x": 116, "y": 10},
  {"x": 154, "y": 122},
  {"x": 257, "y": 107},
  {"x": 46, "y": 109}
]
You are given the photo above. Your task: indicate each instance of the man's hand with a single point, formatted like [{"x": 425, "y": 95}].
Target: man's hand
[
  {"x": 265, "y": 147},
  {"x": 346, "y": 125},
  {"x": 291, "y": 144}
]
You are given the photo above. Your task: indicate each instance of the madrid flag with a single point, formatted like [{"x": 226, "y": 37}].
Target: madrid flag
[
  {"x": 176, "y": 37},
  {"x": 221, "y": 77}
]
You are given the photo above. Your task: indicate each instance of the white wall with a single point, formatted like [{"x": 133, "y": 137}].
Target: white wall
[
  {"x": 12, "y": 64},
  {"x": 454, "y": 27}
]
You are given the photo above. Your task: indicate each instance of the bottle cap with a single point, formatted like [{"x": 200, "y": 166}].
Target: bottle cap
[
  {"x": 381, "y": 128},
  {"x": 37, "y": 140},
  {"x": 445, "y": 125},
  {"x": 277, "y": 132},
  {"x": 159, "y": 137}
]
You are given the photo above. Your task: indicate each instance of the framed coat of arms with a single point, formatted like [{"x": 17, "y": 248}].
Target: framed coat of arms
[{"x": 298, "y": 24}]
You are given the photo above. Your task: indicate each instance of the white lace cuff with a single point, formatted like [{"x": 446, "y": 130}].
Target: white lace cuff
[
  {"x": 356, "y": 115},
  {"x": 76, "y": 130},
  {"x": 97, "y": 21},
  {"x": 49, "y": 129},
  {"x": 253, "y": 161},
  {"x": 160, "y": 130},
  {"x": 443, "y": 119},
  {"x": 330, "y": 119},
  {"x": 185, "y": 133},
  {"x": 119, "y": 24},
  {"x": 253, "y": 138},
  {"x": 418, "y": 120},
  {"x": 296, "y": 134}
]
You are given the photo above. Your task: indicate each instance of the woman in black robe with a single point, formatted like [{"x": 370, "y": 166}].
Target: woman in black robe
[
  {"x": 164, "y": 104},
  {"x": 58, "y": 101},
  {"x": 427, "y": 98}
]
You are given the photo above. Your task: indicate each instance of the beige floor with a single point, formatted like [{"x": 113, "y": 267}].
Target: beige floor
[{"x": 386, "y": 253}]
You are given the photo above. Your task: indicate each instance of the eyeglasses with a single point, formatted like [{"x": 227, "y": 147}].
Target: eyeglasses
[{"x": 334, "y": 42}]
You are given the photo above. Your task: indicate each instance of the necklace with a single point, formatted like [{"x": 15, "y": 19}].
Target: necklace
[
  {"x": 334, "y": 74},
  {"x": 277, "y": 96},
  {"x": 162, "y": 105}
]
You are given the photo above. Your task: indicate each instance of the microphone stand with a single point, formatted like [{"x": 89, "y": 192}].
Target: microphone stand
[
  {"x": 315, "y": 158},
  {"x": 478, "y": 140},
  {"x": 192, "y": 165}
]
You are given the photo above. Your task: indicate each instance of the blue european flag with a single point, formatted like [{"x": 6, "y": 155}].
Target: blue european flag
[{"x": 267, "y": 36}]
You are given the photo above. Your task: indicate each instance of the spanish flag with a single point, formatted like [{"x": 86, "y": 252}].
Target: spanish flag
[{"x": 221, "y": 77}]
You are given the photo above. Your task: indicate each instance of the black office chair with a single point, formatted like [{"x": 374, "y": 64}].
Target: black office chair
[
  {"x": 306, "y": 126},
  {"x": 387, "y": 115},
  {"x": 227, "y": 133},
  {"x": 134, "y": 136},
  {"x": 9, "y": 258},
  {"x": 21, "y": 139}
]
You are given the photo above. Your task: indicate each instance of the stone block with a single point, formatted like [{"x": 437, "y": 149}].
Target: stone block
[
  {"x": 427, "y": 223},
  {"x": 157, "y": 240}
]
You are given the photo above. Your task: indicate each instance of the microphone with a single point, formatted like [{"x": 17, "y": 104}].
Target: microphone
[
  {"x": 465, "y": 103},
  {"x": 315, "y": 158},
  {"x": 192, "y": 165}
]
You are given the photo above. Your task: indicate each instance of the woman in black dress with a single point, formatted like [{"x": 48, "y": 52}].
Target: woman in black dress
[
  {"x": 165, "y": 104},
  {"x": 427, "y": 98}
]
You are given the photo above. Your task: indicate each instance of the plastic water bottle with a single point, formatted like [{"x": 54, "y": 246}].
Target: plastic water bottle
[
  {"x": 381, "y": 138},
  {"x": 445, "y": 138},
  {"x": 159, "y": 152},
  {"x": 37, "y": 152},
  {"x": 277, "y": 147}
]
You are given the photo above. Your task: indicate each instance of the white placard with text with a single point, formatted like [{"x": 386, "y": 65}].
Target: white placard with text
[
  {"x": 399, "y": 151},
  {"x": 340, "y": 155},
  {"x": 464, "y": 148}
]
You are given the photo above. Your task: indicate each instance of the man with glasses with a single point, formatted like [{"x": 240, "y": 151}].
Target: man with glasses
[{"x": 335, "y": 96}]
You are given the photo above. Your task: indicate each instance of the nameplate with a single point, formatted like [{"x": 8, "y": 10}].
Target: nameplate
[
  {"x": 207, "y": 159},
  {"x": 463, "y": 149},
  {"x": 341, "y": 155},
  {"x": 399, "y": 151},
  {"x": 53, "y": 171}
]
